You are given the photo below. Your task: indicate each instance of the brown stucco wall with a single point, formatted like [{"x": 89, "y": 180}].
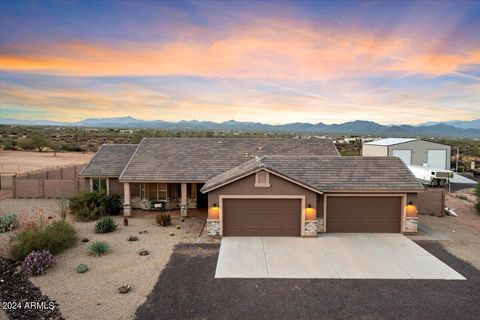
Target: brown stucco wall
[
  {"x": 115, "y": 187},
  {"x": 278, "y": 186}
]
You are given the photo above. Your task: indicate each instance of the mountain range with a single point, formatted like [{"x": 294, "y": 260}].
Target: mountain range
[{"x": 439, "y": 129}]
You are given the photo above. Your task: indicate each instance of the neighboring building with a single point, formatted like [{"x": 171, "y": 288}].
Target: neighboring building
[
  {"x": 255, "y": 186},
  {"x": 411, "y": 151}
]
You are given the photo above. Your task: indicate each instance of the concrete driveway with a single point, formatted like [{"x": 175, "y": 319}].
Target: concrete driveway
[{"x": 349, "y": 256}]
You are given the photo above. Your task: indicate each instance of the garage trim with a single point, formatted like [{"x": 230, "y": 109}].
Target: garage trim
[
  {"x": 302, "y": 205},
  {"x": 403, "y": 204}
]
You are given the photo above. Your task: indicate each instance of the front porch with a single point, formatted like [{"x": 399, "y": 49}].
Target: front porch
[{"x": 163, "y": 197}]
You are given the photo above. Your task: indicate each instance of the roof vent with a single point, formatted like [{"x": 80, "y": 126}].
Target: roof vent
[
  {"x": 246, "y": 154},
  {"x": 260, "y": 148}
]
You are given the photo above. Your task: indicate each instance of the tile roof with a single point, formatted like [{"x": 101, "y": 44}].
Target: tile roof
[
  {"x": 109, "y": 161},
  {"x": 200, "y": 159},
  {"x": 326, "y": 173},
  {"x": 390, "y": 141}
]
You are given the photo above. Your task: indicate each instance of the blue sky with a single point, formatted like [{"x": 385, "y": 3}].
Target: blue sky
[{"x": 274, "y": 62}]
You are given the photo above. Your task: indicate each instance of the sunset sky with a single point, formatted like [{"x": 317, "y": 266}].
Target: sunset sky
[{"x": 273, "y": 62}]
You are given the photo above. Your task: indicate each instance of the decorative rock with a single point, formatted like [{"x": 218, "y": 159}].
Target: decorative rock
[
  {"x": 143, "y": 252},
  {"x": 82, "y": 268},
  {"x": 178, "y": 227},
  {"x": 172, "y": 234},
  {"x": 125, "y": 288},
  {"x": 143, "y": 232},
  {"x": 213, "y": 227},
  {"x": 85, "y": 240},
  {"x": 132, "y": 238},
  {"x": 182, "y": 220}
]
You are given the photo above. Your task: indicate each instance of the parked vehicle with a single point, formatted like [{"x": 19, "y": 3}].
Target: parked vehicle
[{"x": 431, "y": 176}]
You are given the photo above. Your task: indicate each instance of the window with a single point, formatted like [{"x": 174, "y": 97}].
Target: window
[
  {"x": 262, "y": 179},
  {"x": 157, "y": 192},
  {"x": 99, "y": 184}
]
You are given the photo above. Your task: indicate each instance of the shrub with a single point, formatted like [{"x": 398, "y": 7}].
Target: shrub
[
  {"x": 163, "y": 219},
  {"x": 89, "y": 206},
  {"x": 98, "y": 248},
  {"x": 54, "y": 237},
  {"x": 9, "y": 145},
  {"x": 37, "y": 262},
  {"x": 105, "y": 225},
  {"x": 8, "y": 222}
]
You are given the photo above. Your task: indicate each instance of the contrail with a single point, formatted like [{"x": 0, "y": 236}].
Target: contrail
[{"x": 309, "y": 94}]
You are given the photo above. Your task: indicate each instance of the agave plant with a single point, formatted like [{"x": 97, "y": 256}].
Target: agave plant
[
  {"x": 105, "y": 225},
  {"x": 98, "y": 248}
]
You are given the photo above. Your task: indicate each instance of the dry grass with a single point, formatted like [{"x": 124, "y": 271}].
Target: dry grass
[{"x": 24, "y": 161}]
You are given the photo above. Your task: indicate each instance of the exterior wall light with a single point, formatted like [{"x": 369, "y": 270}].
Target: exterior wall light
[
  {"x": 310, "y": 213},
  {"x": 411, "y": 209},
  {"x": 213, "y": 212}
]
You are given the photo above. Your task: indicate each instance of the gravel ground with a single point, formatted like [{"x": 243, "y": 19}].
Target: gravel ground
[
  {"x": 187, "y": 289},
  {"x": 21, "y": 299},
  {"x": 26, "y": 210},
  {"x": 463, "y": 232}
]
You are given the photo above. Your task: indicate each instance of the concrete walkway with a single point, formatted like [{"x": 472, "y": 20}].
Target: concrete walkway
[{"x": 348, "y": 256}]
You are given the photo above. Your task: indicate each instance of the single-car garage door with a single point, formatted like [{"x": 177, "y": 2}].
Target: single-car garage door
[
  {"x": 363, "y": 214},
  {"x": 261, "y": 217}
]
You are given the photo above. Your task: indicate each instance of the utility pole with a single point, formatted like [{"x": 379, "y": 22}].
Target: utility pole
[{"x": 458, "y": 154}]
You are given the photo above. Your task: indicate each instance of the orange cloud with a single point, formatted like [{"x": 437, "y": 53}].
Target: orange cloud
[{"x": 274, "y": 50}]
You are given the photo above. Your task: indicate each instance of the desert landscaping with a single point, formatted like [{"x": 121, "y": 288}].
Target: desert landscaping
[{"x": 94, "y": 294}]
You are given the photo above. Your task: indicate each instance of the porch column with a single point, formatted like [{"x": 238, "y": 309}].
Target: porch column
[
  {"x": 107, "y": 183},
  {"x": 183, "y": 203},
  {"x": 91, "y": 184},
  {"x": 126, "y": 199}
]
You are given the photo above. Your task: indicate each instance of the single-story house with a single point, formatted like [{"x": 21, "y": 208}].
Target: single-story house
[
  {"x": 255, "y": 186},
  {"x": 411, "y": 151}
]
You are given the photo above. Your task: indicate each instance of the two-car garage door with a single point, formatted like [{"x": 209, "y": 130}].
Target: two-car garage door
[{"x": 363, "y": 214}]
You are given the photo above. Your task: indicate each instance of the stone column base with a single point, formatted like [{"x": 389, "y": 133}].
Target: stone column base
[
  {"x": 311, "y": 228},
  {"x": 320, "y": 225},
  {"x": 127, "y": 210},
  {"x": 213, "y": 227},
  {"x": 411, "y": 225},
  {"x": 183, "y": 210}
]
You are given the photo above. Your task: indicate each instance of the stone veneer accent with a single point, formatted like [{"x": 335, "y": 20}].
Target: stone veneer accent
[
  {"x": 411, "y": 224},
  {"x": 320, "y": 225},
  {"x": 127, "y": 210},
  {"x": 311, "y": 228},
  {"x": 213, "y": 227}
]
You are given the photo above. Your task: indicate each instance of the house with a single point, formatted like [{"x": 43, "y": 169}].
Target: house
[
  {"x": 260, "y": 186},
  {"x": 411, "y": 151}
]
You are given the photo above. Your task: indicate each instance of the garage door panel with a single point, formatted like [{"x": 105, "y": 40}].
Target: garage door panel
[
  {"x": 257, "y": 217},
  {"x": 363, "y": 214}
]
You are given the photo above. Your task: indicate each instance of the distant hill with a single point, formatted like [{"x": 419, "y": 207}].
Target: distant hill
[
  {"x": 472, "y": 124},
  {"x": 353, "y": 127}
]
